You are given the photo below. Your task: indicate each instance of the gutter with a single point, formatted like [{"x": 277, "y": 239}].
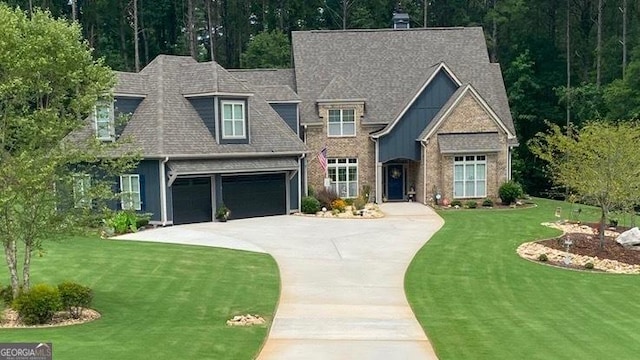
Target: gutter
[{"x": 233, "y": 155}]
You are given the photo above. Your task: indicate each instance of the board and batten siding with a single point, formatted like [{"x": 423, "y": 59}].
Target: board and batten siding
[
  {"x": 289, "y": 113},
  {"x": 401, "y": 142},
  {"x": 204, "y": 108}
]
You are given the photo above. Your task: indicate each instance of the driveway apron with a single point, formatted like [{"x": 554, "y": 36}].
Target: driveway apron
[{"x": 342, "y": 280}]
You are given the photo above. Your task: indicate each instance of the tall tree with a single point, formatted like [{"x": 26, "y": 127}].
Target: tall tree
[{"x": 48, "y": 85}]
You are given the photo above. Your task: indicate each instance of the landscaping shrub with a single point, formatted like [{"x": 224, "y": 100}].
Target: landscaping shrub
[
  {"x": 38, "y": 305},
  {"x": 455, "y": 203},
  {"x": 74, "y": 297},
  {"x": 338, "y": 204},
  {"x": 311, "y": 191},
  {"x": 359, "y": 203},
  {"x": 509, "y": 192},
  {"x": 348, "y": 201},
  {"x": 543, "y": 257},
  {"x": 588, "y": 266},
  {"x": 122, "y": 222},
  {"x": 310, "y": 205},
  {"x": 487, "y": 203},
  {"x": 472, "y": 204},
  {"x": 326, "y": 197},
  {"x": 6, "y": 293}
]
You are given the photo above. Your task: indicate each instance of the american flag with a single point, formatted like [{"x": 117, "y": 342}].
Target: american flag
[{"x": 322, "y": 158}]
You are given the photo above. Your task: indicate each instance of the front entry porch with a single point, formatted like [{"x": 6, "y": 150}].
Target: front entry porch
[{"x": 399, "y": 180}]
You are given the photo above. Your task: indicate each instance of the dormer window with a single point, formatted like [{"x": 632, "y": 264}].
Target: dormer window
[
  {"x": 233, "y": 119},
  {"x": 342, "y": 122},
  {"x": 105, "y": 121}
]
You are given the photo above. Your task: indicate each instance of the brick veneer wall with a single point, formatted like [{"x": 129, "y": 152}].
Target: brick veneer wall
[
  {"x": 467, "y": 117},
  {"x": 360, "y": 147}
]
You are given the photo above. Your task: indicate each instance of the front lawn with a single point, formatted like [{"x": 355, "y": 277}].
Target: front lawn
[
  {"x": 477, "y": 299},
  {"x": 157, "y": 301}
]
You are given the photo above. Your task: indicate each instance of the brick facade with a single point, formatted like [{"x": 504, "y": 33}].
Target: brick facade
[
  {"x": 360, "y": 147},
  {"x": 468, "y": 117}
]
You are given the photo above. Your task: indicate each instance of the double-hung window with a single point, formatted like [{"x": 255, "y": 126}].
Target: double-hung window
[
  {"x": 344, "y": 176},
  {"x": 81, "y": 185},
  {"x": 104, "y": 120},
  {"x": 342, "y": 122},
  {"x": 130, "y": 192},
  {"x": 470, "y": 176},
  {"x": 233, "y": 119}
]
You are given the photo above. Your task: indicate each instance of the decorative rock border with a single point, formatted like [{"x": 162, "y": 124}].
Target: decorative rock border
[
  {"x": 370, "y": 211},
  {"x": 10, "y": 319},
  {"x": 246, "y": 320}
]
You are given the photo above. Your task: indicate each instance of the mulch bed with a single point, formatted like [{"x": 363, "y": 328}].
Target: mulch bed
[{"x": 589, "y": 245}]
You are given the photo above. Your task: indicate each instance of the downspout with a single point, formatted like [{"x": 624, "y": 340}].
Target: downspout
[
  {"x": 424, "y": 171},
  {"x": 510, "y": 149},
  {"x": 163, "y": 192}
]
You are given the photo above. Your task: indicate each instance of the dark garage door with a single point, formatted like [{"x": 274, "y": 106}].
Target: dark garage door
[
  {"x": 191, "y": 200},
  {"x": 254, "y": 195}
]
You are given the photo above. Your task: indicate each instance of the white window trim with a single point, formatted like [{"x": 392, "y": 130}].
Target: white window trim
[
  {"x": 128, "y": 204},
  {"x": 333, "y": 163},
  {"x": 464, "y": 164},
  {"x": 81, "y": 186},
  {"x": 244, "y": 119},
  {"x": 112, "y": 127},
  {"x": 341, "y": 122}
]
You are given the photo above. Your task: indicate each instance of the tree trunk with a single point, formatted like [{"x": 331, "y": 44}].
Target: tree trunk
[
  {"x": 599, "y": 46},
  {"x": 10, "y": 254},
  {"x": 74, "y": 10},
  {"x": 212, "y": 32},
  {"x": 191, "y": 29},
  {"x": 345, "y": 4},
  {"x": 145, "y": 38},
  {"x": 425, "y": 11},
  {"x": 603, "y": 221},
  {"x": 494, "y": 35},
  {"x": 26, "y": 266},
  {"x": 136, "y": 41},
  {"x": 568, "y": 67},
  {"x": 624, "y": 37},
  {"x": 123, "y": 37}
]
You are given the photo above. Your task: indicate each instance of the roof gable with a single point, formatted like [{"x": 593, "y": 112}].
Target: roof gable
[
  {"x": 452, "y": 104},
  {"x": 338, "y": 90}
]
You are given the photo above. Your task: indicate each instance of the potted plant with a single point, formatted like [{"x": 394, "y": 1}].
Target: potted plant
[{"x": 222, "y": 214}]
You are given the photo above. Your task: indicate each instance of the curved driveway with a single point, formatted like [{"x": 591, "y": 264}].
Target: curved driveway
[{"x": 342, "y": 280}]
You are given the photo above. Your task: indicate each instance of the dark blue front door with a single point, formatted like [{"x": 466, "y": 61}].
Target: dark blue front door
[{"x": 395, "y": 182}]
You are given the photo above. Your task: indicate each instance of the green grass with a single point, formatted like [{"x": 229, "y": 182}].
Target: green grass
[
  {"x": 157, "y": 301},
  {"x": 476, "y": 299}
]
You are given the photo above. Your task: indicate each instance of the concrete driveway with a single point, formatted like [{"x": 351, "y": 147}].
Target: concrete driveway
[{"x": 342, "y": 280}]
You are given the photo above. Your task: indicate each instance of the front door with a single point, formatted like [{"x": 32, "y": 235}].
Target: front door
[{"x": 395, "y": 182}]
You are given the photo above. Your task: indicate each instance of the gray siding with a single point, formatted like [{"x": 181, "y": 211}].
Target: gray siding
[
  {"x": 401, "y": 142},
  {"x": 204, "y": 108},
  {"x": 150, "y": 184},
  {"x": 289, "y": 113},
  {"x": 293, "y": 195}
]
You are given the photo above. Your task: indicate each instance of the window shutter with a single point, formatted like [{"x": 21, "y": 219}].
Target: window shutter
[{"x": 143, "y": 202}]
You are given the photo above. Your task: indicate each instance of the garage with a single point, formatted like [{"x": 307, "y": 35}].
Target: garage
[
  {"x": 191, "y": 200},
  {"x": 255, "y": 195}
]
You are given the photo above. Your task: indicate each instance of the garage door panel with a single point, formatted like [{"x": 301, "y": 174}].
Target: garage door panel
[
  {"x": 191, "y": 200},
  {"x": 254, "y": 195}
]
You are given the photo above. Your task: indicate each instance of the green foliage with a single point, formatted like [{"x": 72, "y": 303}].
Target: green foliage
[
  {"x": 487, "y": 202},
  {"x": 38, "y": 305},
  {"x": 311, "y": 191},
  {"x": 338, "y": 204},
  {"x": 122, "y": 222},
  {"x": 6, "y": 295},
  {"x": 310, "y": 205},
  {"x": 326, "y": 197},
  {"x": 359, "y": 203},
  {"x": 74, "y": 297},
  {"x": 269, "y": 49},
  {"x": 509, "y": 192},
  {"x": 455, "y": 203},
  {"x": 222, "y": 213},
  {"x": 366, "y": 192},
  {"x": 471, "y": 204},
  {"x": 588, "y": 265},
  {"x": 543, "y": 257},
  {"x": 348, "y": 201}
]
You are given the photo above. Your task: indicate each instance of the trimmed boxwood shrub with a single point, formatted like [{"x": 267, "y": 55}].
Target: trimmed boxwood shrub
[
  {"x": 310, "y": 205},
  {"x": 38, "y": 305},
  {"x": 509, "y": 192},
  {"x": 543, "y": 257},
  {"x": 472, "y": 204},
  {"x": 487, "y": 203},
  {"x": 74, "y": 297},
  {"x": 455, "y": 203},
  {"x": 6, "y": 293}
]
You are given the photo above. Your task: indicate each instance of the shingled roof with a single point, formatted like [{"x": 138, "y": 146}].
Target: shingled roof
[
  {"x": 388, "y": 66},
  {"x": 166, "y": 124}
]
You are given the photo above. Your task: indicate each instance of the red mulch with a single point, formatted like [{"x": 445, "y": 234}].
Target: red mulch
[{"x": 589, "y": 245}]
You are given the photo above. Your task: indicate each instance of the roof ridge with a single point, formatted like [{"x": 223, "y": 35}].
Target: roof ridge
[{"x": 443, "y": 28}]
